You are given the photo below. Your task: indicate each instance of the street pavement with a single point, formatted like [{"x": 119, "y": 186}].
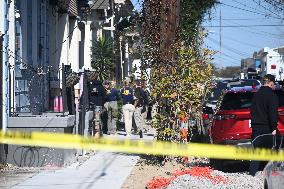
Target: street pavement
[{"x": 102, "y": 170}]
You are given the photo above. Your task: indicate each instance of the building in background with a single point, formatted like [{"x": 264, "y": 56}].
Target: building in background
[
  {"x": 271, "y": 62},
  {"x": 249, "y": 68},
  {"x": 108, "y": 19}
]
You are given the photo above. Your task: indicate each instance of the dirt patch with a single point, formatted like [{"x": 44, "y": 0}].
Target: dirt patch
[{"x": 148, "y": 168}]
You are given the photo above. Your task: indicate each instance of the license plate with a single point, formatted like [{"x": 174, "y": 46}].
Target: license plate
[{"x": 249, "y": 123}]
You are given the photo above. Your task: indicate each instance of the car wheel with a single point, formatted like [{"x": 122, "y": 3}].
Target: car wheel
[{"x": 216, "y": 164}]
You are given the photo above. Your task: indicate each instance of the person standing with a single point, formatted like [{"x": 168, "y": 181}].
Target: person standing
[
  {"x": 112, "y": 108},
  {"x": 264, "y": 116},
  {"x": 146, "y": 101},
  {"x": 97, "y": 97},
  {"x": 128, "y": 107},
  {"x": 140, "y": 107}
]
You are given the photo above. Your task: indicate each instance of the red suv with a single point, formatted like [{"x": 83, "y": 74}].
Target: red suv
[{"x": 232, "y": 123}]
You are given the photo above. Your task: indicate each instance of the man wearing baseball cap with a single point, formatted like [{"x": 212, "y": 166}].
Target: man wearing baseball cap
[{"x": 264, "y": 117}]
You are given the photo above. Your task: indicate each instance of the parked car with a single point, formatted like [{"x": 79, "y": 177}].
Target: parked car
[
  {"x": 244, "y": 83},
  {"x": 217, "y": 90},
  {"x": 207, "y": 117},
  {"x": 232, "y": 123},
  {"x": 274, "y": 175},
  {"x": 274, "y": 170}
]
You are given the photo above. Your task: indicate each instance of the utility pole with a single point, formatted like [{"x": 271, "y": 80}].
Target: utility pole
[
  {"x": 2, "y": 160},
  {"x": 12, "y": 47},
  {"x": 4, "y": 74},
  {"x": 1, "y": 73},
  {"x": 4, "y": 63},
  {"x": 221, "y": 32},
  {"x": 169, "y": 24}
]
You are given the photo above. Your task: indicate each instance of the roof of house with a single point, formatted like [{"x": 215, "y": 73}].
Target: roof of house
[{"x": 100, "y": 4}]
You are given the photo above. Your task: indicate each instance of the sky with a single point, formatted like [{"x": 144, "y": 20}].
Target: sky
[
  {"x": 137, "y": 4},
  {"x": 240, "y": 42}
]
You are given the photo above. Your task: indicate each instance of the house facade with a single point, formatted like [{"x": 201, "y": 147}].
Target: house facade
[
  {"x": 45, "y": 48},
  {"x": 271, "y": 62}
]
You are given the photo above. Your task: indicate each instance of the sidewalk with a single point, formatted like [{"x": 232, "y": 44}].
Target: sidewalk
[{"x": 103, "y": 170}]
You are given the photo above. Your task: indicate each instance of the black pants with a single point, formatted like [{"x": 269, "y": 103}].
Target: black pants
[{"x": 265, "y": 141}]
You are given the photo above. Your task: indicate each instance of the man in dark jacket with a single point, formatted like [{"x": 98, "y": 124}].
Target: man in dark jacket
[
  {"x": 97, "y": 95},
  {"x": 264, "y": 116},
  {"x": 141, "y": 101}
]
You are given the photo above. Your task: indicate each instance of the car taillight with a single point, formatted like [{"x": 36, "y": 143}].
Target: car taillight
[
  {"x": 224, "y": 117},
  {"x": 281, "y": 113},
  {"x": 205, "y": 116}
]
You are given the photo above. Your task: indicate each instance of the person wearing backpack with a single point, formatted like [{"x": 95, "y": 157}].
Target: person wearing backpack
[{"x": 128, "y": 108}]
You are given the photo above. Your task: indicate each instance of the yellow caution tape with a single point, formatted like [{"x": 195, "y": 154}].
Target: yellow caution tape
[{"x": 69, "y": 141}]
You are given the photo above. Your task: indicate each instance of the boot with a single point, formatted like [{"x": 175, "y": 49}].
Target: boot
[{"x": 140, "y": 134}]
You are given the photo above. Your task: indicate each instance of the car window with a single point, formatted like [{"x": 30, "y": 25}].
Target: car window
[
  {"x": 251, "y": 83},
  {"x": 246, "y": 83},
  {"x": 208, "y": 110},
  {"x": 234, "y": 101},
  {"x": 217, "y": 91},
  {"x": 280, "y": 95}
]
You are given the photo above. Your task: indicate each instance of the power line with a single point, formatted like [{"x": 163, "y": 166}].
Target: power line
[
  {"x": 245, "y": 26},
  {"x": 241, "y": 42},
  {"x": 257, "y": 33},
  {"x": 275, "y": 4},
  {"x": 244, "y": 18},
  {"x": 228, "y": 59},
  {"x": 227, "y": 62},
  {"x": 260, "y": 11},
  {"x": 229, "y": 49},
  {"x": 247, "y": 10},
  {"x": 233, "y": 50},
  {"x": 266, "y": 9},
  {"x": 263, "y": 33}
]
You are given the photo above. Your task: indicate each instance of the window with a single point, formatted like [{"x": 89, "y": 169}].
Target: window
[
  {"x": 280, "y": 95},
  {"x": 235, "y": 101},
  {"x": 243, "y": 83}
]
